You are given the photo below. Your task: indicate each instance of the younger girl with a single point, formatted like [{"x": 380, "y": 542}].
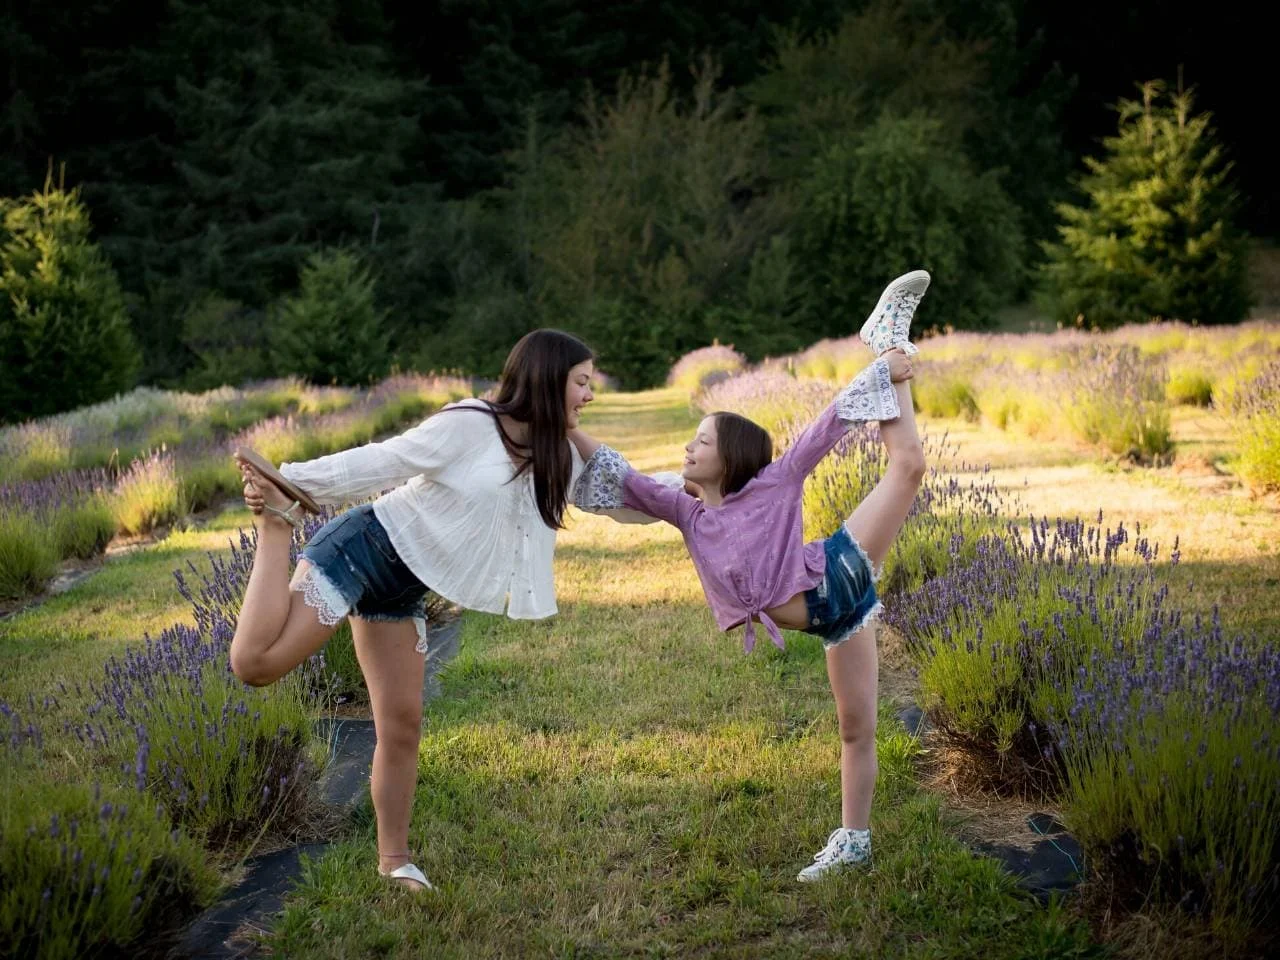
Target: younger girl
[
  {"x": 480, "y": 490},
  {"x": 744, "y": 536}
]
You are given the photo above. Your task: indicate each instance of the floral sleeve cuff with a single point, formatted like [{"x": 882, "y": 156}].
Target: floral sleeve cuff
[
  {"x": 869, "y": 396},
  {"x": 600, "y": 486}
]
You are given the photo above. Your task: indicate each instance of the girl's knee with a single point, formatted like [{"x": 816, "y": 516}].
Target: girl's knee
[
  {"x": 251, "y": 668},
  {"x": 856, "y": 728},
  {"x": 399, "y": 727}
]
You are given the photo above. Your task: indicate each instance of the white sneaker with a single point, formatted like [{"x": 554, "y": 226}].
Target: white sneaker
[
  {"x": 845, "y": 848},
  {"x": 889, "y": 324}
]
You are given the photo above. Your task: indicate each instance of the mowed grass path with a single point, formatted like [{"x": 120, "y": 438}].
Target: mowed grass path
[{"x": 621, "y": 780}]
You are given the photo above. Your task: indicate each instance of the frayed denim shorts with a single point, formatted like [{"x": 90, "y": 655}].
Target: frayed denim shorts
[
  {"x": 352, "y": 569},
  {"x": 845, "y": 601}
]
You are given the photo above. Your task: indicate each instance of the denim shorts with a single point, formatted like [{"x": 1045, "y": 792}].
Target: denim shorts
[
  {"x": 845, "y": 601},
  {"x": 352, "y": 569}
]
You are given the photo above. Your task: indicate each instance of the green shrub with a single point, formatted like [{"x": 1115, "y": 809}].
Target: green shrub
[
  {"x": 331, "y": 330},
  {"x": 28, "y": 558},
  {"x": 1189, "y": 386},
  {"x": 944, "y": 390},
  {"x": 1254, "y": 409},
  {"x": 1172, "y": 766},
  {"x": 65, "y": 339},
  {"x": 996, "y": 664},
  {"x": 691, "y": 370},
  {"x": 82, "y": 529},
  {"x": 85, "y": 870},
  {"x": 88, "y": 872},
  {"x": 1117, "y": 401}
]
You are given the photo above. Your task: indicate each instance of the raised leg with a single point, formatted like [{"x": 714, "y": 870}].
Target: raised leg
[{"x": 276, "y": 630}]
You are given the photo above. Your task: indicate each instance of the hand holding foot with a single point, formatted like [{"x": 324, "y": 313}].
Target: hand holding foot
[
  {"x": 268, "y": 503},
  {"x": 899, "y": 365}
]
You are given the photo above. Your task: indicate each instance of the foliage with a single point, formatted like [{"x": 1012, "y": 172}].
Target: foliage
[
  {"x": 64, "y": 334},
  {"x": 1155, "y": 236}
]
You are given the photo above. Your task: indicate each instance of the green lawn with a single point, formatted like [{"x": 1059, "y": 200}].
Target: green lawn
[{"x": 621, "y": 780}]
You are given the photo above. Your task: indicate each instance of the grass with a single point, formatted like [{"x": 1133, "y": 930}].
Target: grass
[{"x": 621, "y": 781}]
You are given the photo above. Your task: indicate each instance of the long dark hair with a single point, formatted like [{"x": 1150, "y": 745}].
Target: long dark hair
[
  {"x": 745, "y": 449},
  {"x": 532, "y": 391}
]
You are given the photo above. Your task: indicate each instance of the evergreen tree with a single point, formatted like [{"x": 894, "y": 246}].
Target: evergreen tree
[
  {"x": 1154, "y": 236},
  {"x": 331, "y": 330},
  {"x": 64, "y": 333},
  {"x": 287, "y": 131}
]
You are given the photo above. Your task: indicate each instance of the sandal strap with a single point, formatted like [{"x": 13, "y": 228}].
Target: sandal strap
[{"x": 286, "y": 514}]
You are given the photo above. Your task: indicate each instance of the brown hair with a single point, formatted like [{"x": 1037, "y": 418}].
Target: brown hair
[
  {"x": 745, "y": 448},
  {"x": 532, "y": 391}
]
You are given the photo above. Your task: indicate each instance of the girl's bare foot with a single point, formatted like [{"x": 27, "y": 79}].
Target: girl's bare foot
[{"x": 271, "y": 508}]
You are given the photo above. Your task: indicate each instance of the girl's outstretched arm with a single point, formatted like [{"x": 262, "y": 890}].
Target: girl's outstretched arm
[
  {"x": 586, "y": 445},
  {"x": 868, "y": 396},
  {"x": 610, "y": 486},
  {"x": 363, "y": 471}
]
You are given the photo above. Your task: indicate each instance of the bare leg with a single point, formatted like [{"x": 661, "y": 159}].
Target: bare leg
[
  {"x": 393, "y": 671},
  {"x": 875, "y": 522},
  {"x": 852, "y": 667},
  {"x": 852, "y": 670},
  {"x": 276, "y": 630}
]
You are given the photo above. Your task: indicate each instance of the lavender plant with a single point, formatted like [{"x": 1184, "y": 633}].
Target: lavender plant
[
  {"x": 1254, "y": 409},
  {"x": 85, "y": 869},
  {"x": 997, "y": 641},
  {"x": 772, "y": 399},
  {"x": 951, "y": 512},
  {"x": 1118, "y": 401},
  {"x": 1172, "y": 765},
  {"x": 45, "y": 521},
  {"x": 690, "y": 371},
  {"x": 148, "y": 494}
]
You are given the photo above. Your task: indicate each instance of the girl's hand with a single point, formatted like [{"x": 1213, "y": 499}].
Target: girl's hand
[
  {"x": 252, "y": 495},
  {"x": 899, "y": 365}
]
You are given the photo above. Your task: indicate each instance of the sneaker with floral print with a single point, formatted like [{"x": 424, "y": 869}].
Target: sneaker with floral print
[
  {"x": 845, "y": 848},
  {"x": 889, "y": 324}
]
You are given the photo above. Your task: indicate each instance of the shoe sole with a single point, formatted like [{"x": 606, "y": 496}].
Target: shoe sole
[
  {"x": 842, "y": 868},
  {"x": 915, "y": 276}
]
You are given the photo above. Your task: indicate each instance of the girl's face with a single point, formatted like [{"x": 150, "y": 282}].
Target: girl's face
[
  {"x": 702, "y": 463},
  {"x": 577, "y": 391}
]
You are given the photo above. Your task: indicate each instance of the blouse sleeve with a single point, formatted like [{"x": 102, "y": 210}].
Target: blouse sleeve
[
  {"x": 602, "y": 488},
  {"x": 363, "y": 471},
  {"x": 869, "y": 396}
]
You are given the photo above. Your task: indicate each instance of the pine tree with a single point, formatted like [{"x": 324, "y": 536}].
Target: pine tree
[
  {"x": 64, "y": 333},
  {"x": 1155, "y": 236},
  {"x": 331, "y": 330}
]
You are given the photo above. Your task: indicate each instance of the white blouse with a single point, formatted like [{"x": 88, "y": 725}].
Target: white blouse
[{"x": 455, "y": 517}]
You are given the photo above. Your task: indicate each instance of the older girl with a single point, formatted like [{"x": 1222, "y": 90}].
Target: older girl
[{"x": 479, "y": 492}]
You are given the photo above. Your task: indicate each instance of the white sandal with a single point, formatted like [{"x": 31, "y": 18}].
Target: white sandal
[{"x": 409, "y": 872}]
